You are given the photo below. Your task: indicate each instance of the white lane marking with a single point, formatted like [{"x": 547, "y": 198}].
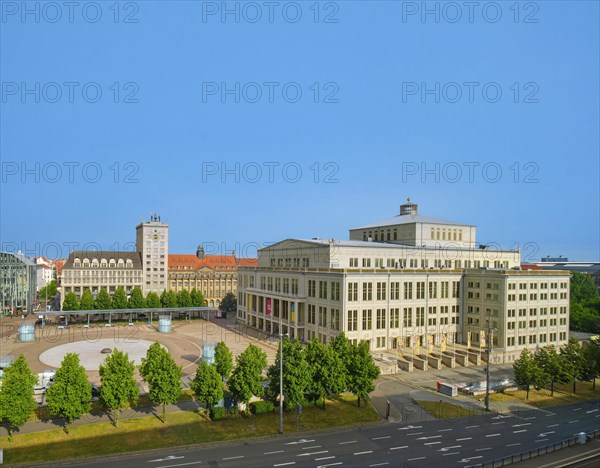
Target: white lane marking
[
  {"x": 501, "y": 422},
  {"x": 169, "y": 458},
  {"x": 527, "y": 419},
  {"x": 409, "y": 427},
  {"x": 284, "y": 464},
  {"x": 493, "y": 435},
  {"x": 425, "y": 438},
  {"x": 431, "y": 443},
  {"x": 444, "y": 430},
  {"x": 417, "y": 458},
  {"x": 465, "y": 460},
  {"x": 301, "y": 441},
  {"x": 587, "y": 412},
  {"x": 553, "y": 425},
  {"x": 519, "y": 425},
  {"x": 464, "y": 438},
  {"x": 363, "y": 453},
  {"x": 343, "y": 443},
  {"x": 482, "y": 449},
  {"x": 271, "y": 453},
  {"x": 312, "y": 446},
  {"x": 574, "y": 421},
  {"x": 380, "y": 464},
  {"x": 469, "y": 427},
  {"x": 331, "y": 464},
  {"x": 180, "y": 464},
  {"x": 541, "y": 440},
  {"x": 379, "y": 438},
  {"x": 324, "y": 458},
  {"x": 544, "y": 434},
  {"x": 451, "y": 453},
  {"x": 445, "y": 449},
  {"x": 398, "y": 448},
  {"x": 597, "y": 416},
  {"x": 522, "y": 430},
  {"x": 308, "y": 454},
  {"x": 414, "y": 433},
  {"x": 235, "y": 458},
  {"x": 576, "y": 409},
  {"x": 513, "y": 445}
]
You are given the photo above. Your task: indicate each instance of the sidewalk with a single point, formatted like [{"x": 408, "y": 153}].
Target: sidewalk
[{"x": 39, "y": 425}]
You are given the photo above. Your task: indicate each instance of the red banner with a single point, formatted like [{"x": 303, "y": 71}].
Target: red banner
[{"x": 268, "y": 306}]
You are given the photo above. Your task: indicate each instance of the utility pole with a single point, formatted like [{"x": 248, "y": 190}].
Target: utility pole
[{"x": 487, "y": 367}]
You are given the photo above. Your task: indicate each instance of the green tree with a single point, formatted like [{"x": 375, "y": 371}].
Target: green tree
[
  {"x": 223, "y": 360},
  {"x": 152, "y": 300},
  {"x": 342, "y": 348},
  {"x": 87, "y": 300},
  {"x": 572, "y": 352},
  {"x": 245, "y": 380},
  {"x": 103, "y": 301},
  {"x": 49, "y": 291},
  {"x": 184, "y": 299},
  {"x": 136, "y": 300},
  {"x": 527, "y": 371},
  {"x": 591, "y": 352},
  {"x": 554, "y": 365},
  {"x": 585, "y": 304},
  {"x": 362, "y": 371},
  {"x": 228, "y": 304},
  {"x": 328, "y": 372},
  {"x": 69, "y": 395},
  {"x": 168, "y": 299},
  {"x": 296, "y": 374},
  {"x": 207, "y": 384},
  {"x": 583, "y": 287},
  {"x": 16, "y": 394},
  {"x": 163, "y": 376},
  {"x": 71, "y": 302},
  {"x": 197, "y": 298},
  {"x": 119, "y": 299},
  {"x": 118, "y": 388}
]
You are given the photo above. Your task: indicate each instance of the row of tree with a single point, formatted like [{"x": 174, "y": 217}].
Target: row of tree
[
  {"x": 136, "y": 300},
  {"x": 570, "y": 364},
  {"x": 585, "y": 304}
]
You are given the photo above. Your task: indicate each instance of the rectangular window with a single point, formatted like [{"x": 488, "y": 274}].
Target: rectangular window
[
  {"x": 420, "y": 289},
  {"x": 322, "y": 289},
  {"x": 408, "y": 288},
  {"x": 395, "y": 290},
  {"x": 381, "y": 291},
  {"x": 420, "y": 317},
  {"x": 352, "y": 292},
  {"x": 367, "y": 319},
  {"x": 432, "y": 290},
  {"x": 395, "y": 318},
  {"x": 407, "y": 317},
  {"x": 312, "y": 287},
  {"x": 380, "y": 319},
  {"x": 367, "y": 291},
  {"x": 335, "y": 291},
  {"x": 352, "y": 320}
]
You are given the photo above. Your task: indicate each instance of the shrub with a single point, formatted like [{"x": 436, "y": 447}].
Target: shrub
[
  {"x": 262, "y": 407},
  {"x": 218, "y": 412}
]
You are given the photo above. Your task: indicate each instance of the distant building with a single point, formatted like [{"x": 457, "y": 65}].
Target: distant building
[
  {"x": 409, "y": 283},
  {"x": 18, "y": 283},
  {"x": 213, "y": 275},
  {"x": 145, "y": 268},
  {"x": 46, "y": 271},
  {"x": 591, "y": 268}
]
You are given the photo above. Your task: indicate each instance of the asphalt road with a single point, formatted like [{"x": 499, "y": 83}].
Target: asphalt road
[{"x": 460, "y": 442}]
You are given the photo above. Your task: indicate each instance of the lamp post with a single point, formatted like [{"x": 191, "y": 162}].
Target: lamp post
[{"x": 281, "y": 335}]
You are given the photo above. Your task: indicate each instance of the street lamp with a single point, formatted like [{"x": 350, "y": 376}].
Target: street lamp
[{"x": 281, "y": 335}]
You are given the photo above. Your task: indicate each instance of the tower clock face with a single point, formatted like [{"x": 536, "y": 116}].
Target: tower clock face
[{"x": 155, "y": 234}]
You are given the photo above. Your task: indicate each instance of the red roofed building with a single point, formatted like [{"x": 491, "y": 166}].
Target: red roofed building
[{"x": 213, "y": 275}]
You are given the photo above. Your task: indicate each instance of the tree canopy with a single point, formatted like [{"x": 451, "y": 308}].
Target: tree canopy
[
  {"x": 207, "y": 384},
  {"x": 16, "y": 393},
  {"x": 119, "y": 299},
  {"x": 362, "y": 371},
  {"x": 152, "y": 300},
  {"x": 163, "y": 375},
  {"x": 528, "y": 372},
  {"x": 327, "y": 371},
  {"x": 87, "y": 300},
  {"x": 554, "y": 365},
  {"x": 136, "y": 300},
  {"x": 245, "y": 381},
  {"x": 296, "y": 373},
  {"x": 71, "y": 302},
  {"x": 102, "y": 301},
  {"x": 69, "y": 395},
  {"x": 228, "y": 303},
  {"x": 223, "y": 360},
  {"x": 118, "y": 388}
]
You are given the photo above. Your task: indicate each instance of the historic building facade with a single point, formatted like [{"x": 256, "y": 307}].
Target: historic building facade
[
  {"x": 435, "y": 288},
  {"x": 213, "y": 275},
  {"x": 145, "y": 268}
]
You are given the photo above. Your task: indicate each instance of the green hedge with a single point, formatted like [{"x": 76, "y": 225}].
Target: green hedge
[
  {"x": 218, "y": 412},
  {"x": 262, "y": 407}
]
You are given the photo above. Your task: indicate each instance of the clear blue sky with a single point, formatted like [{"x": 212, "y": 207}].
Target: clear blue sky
[{"x": 376, "y": 132}]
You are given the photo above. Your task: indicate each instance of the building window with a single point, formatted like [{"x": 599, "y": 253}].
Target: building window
[
  {"x": 381, "y": 291},
  {"x": 352, "y": 292},
  {"x": 352, "y": 320},
  {"x": 367, "y": 319},
  {"x": 380, "y": 319},
  {"x": 367, "y": 291}
]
